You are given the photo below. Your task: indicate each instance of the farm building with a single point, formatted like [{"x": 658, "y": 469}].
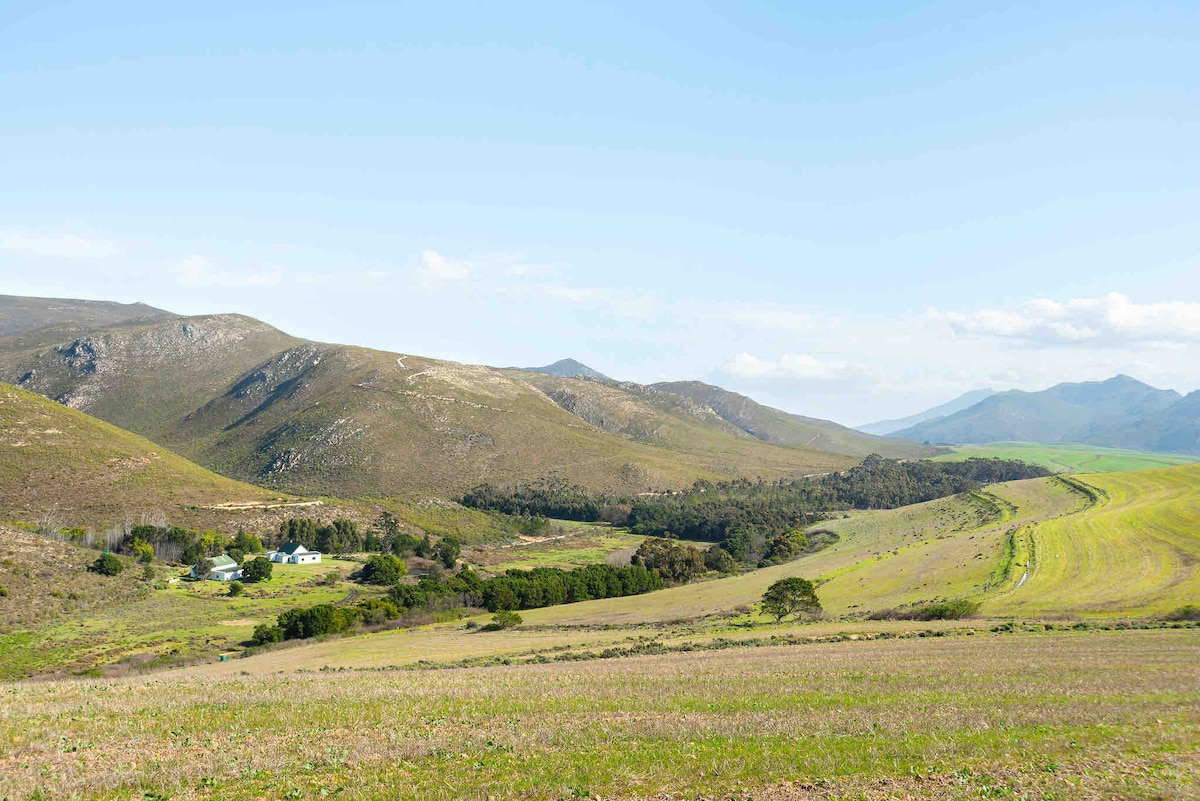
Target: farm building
[
  {"x": 224, "y": 568},
  {"x": 293, "y": 553}
]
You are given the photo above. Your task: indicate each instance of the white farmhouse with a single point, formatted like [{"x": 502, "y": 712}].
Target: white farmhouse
[
  {"x": 293, "y": 553},
  {"x": 224, "y": 568}
]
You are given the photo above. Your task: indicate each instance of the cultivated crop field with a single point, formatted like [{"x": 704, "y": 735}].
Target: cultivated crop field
[
  {"x": 1045, "y": 715},
  {"x": 1133, "y": 553},
  {"x": 1069, "y": 458}
]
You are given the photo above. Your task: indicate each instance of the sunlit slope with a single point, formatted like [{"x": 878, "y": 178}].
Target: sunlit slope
[
  {"x": 354, "y": 422},
  {"x": 1136, "y": 552},
  {"x": 923, "y": 553},
  {"x": 83, "y": 471}
]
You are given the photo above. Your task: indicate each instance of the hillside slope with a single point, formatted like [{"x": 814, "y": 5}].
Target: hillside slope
[
  {"x": 782, "y": 428},
  {"x": 353, "y": 421},
  {"x": 1062, "y": 413},
  {"x": 251, "y": 402},
  {"x": 1136, "y": 551},
  {"x": 62, "y": 464}
]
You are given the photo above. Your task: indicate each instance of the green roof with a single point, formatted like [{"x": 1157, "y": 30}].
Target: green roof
[{"x": 223, "y": 561}]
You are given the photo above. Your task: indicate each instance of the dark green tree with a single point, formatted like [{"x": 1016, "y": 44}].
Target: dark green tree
[
  {"x": 382, "y": 568},
  {"x": 257, "y": 569},
  {"x": 448, "y": 551},
  {"x": 790, "y": 596}
]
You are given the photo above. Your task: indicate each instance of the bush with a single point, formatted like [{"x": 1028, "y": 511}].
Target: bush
[
  {"x": 1188, "y": 612},
  {"x": 236, "y": 588},
  {"x": 948, "y": 610},
  {"x": 3, "y": 591},
  {"x": 257, "y": 569},
  {"x": 149, "y": 573},
  {"x": 107, "y": 565},
  {"x": 504, "y": 619},
  {"x": 718, "y": 559},
  {"x": 264, "y": 634}
]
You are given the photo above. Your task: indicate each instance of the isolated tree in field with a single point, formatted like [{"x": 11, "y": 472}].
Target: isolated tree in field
[
  {"x": 790, "y": 596},
  {"x": 107, "y": 565},
  {"x": 257, "y": 569}
]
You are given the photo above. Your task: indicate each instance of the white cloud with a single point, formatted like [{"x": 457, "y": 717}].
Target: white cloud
[
  {"x": 61, "y": 246},
  {"x": 198, "y": 271},
  {"x": 1109, "y": 320},
  {"x": 787, "y": 366},
  {"x": 435, "y": 271}
]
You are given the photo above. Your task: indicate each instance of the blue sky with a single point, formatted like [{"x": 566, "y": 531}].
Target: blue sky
[{"x": 850, "y": 212}]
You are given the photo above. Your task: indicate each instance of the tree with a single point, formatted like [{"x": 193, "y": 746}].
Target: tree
[
  {"x": 236, "y": 588},
  {"x": 718, "y": 559},
  {"x": 382, "y": 568},
  {"x": 257, "y": 569},
  {"x": 448, "y": 550},
  {"x": 107, "y": 564},
  {"x": 247, "y": 543},
  {"x": 202, "y": 568},
  {"x": 790, "y": 596}
]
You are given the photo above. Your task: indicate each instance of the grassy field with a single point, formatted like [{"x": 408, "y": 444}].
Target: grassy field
[
  {"x": 126, "y": 621},
  {"x": 568, "y": 544},
  {"x": 1134, "y": 553},
  {"x": 1067, "y": 458},
  {"x": 1047, "y": 715}
]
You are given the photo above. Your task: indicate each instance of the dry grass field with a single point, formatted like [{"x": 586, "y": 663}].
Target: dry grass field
[{"x": 1057, "y": 715}]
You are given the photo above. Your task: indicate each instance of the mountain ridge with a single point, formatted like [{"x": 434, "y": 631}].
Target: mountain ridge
[
  {"x": 1109, "y": 413},
  {"x": 884, "y": 428}
]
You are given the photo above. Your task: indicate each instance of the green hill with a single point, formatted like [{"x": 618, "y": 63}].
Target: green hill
[{"x": 62, "y": 465}]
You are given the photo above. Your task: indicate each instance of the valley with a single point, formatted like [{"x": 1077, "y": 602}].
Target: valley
[{"x": 933, "y": 612}]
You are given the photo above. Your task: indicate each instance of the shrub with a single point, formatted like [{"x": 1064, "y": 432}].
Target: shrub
[
  {"x": 947, "y": 610},
  {"x": 3, "y": 591},
  {"x": 503, "y": 619},
  {"x": 264, "y": 634},
  {"x": 1188, "y": 612},
  {"x": 107, "y": 565},
  {"x": 718, "y": 559},
  {"x": 236, "y": 588},
  {"x": 149, "y": 573}
]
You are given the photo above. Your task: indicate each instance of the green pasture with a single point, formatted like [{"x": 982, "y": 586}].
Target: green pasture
[{"x": 1069, "y": 458}]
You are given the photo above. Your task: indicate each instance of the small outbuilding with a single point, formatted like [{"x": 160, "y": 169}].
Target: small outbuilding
[
  {"x": 293, "y": 553},
  {"x": 224, "y": 568}
]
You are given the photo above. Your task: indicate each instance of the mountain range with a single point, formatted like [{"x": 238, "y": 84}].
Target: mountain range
[
  {"x": 248, "y": 401},
  {"x": 884, "y": 428},
  {"x": 1120, "y": 412}
]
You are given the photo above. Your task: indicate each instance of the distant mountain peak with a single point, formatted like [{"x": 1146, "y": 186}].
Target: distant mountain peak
[{"x": 569, "y": 368}]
